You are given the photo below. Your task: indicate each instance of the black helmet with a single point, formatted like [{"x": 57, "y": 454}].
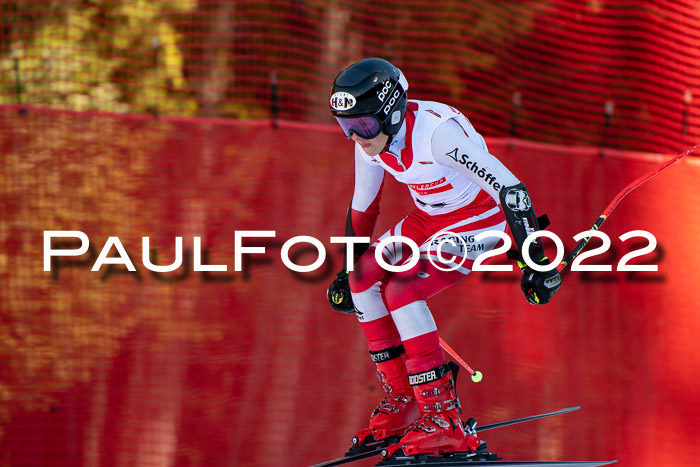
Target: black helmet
[{"x": 368, "y": 97}]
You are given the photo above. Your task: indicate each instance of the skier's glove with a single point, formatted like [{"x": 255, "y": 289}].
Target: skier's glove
[
  {"x": 339, "y": 294},
  {"x": 537, "y": 286}
]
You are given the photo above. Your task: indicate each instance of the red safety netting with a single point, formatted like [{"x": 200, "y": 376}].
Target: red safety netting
[
  {"x": 540, "y": 70},
  {"x": 252, "y": 368}
]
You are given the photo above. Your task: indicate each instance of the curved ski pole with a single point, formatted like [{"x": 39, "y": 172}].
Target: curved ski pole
[
  {"x": 476, "y": 375},
  {"x": 613, "y": 204}
]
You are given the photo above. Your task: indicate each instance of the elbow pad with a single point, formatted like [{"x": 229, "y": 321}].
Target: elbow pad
[{"x": 521, "y": 218}]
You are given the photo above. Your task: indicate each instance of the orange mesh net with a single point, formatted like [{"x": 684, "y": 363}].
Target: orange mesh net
[
  {"x": 619, "y": 74},
  {"x": 252, "y": 368}
]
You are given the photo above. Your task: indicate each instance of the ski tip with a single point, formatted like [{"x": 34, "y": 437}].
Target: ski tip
[
  {"x": 553, "y": 463},
  {"x": 584, "y": 463}
]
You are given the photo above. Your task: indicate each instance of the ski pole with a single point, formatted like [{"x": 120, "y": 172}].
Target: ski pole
[
  {"x": 613, "y": 204},
  {"x": 476, "y": 375}
]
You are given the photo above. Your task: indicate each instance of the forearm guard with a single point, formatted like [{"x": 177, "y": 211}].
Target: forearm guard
[{"x": 521, "y": 218}]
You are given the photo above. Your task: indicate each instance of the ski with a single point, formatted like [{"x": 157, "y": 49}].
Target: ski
[
  {"x": 372, "y": 449},
  {"x": 456, "y": 462},
  {"x": 364, "y": 451}
]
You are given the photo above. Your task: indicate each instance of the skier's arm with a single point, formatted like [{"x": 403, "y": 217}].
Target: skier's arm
[
  {"x": 454, "y": 148},
  {"x": 360, "y": 222},
  {"x": 364, "y": 208}
]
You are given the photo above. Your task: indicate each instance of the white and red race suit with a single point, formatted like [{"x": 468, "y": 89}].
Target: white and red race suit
[{"x": 455, "y": 185}]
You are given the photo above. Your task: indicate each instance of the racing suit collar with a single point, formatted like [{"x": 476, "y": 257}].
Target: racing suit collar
[{"x": 397, "y": 142}]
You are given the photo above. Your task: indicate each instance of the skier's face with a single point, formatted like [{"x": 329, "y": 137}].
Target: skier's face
[{"x": 373, "y": 146}]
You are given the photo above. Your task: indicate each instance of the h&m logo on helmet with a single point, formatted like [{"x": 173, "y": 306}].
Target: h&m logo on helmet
[{"x": 342, "y": 101}]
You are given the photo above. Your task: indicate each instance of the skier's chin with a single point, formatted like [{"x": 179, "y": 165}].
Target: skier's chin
[
  {"x": 372, "y": 147},
  {"x": 371, "y": 151}
]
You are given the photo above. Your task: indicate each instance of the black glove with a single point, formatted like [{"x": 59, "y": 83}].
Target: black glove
[
  {"x": 339, "y": 295},
  {"x": 538, "y": 286}
]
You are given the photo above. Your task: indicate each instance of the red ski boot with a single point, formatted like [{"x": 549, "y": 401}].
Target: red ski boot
[
  {"x": 398, "y": 409},
  {"x": 439, "y": 430}
]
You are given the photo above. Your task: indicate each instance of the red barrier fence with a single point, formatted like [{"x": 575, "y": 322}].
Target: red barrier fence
[
  {"x": 253, "y": 368},
  {"x": 618, "y": 73}
]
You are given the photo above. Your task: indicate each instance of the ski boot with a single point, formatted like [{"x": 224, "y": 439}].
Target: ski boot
[
  {"x": 439, "y": 429},
  {"x": 398, "y": 409}
]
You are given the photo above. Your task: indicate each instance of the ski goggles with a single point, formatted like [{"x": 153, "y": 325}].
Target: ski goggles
[{"x": 366, "y": 127}]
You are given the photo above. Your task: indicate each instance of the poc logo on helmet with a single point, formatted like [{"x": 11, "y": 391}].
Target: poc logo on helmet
[
  {"x": 392, "y": 101},
  {"x": 385, "y": 90},
  {"x": 342, "y": 101}
]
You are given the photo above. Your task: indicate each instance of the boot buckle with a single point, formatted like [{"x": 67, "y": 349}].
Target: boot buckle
[
  {"x": 440, "y": 422},
  {"x": 425, "y": 427},
  {"x": 390, "y": 408}
]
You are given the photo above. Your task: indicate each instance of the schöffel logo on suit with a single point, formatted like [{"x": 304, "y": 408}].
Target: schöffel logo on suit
[
  {"x": 480, "y": 172},
  {"x": 423, "y": 378}
]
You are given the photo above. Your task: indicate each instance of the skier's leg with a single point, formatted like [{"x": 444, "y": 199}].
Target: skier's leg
[
  {"x": 406, "y": 293},
  {"x": 439, "y": 428},
  {"x": 367, "y": 281}
]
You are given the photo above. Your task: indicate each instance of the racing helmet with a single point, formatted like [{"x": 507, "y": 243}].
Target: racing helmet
[{"x": 369, "y": 97}]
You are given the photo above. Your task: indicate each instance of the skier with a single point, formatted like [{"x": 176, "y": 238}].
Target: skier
[{"x": 457, "y": 186}]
